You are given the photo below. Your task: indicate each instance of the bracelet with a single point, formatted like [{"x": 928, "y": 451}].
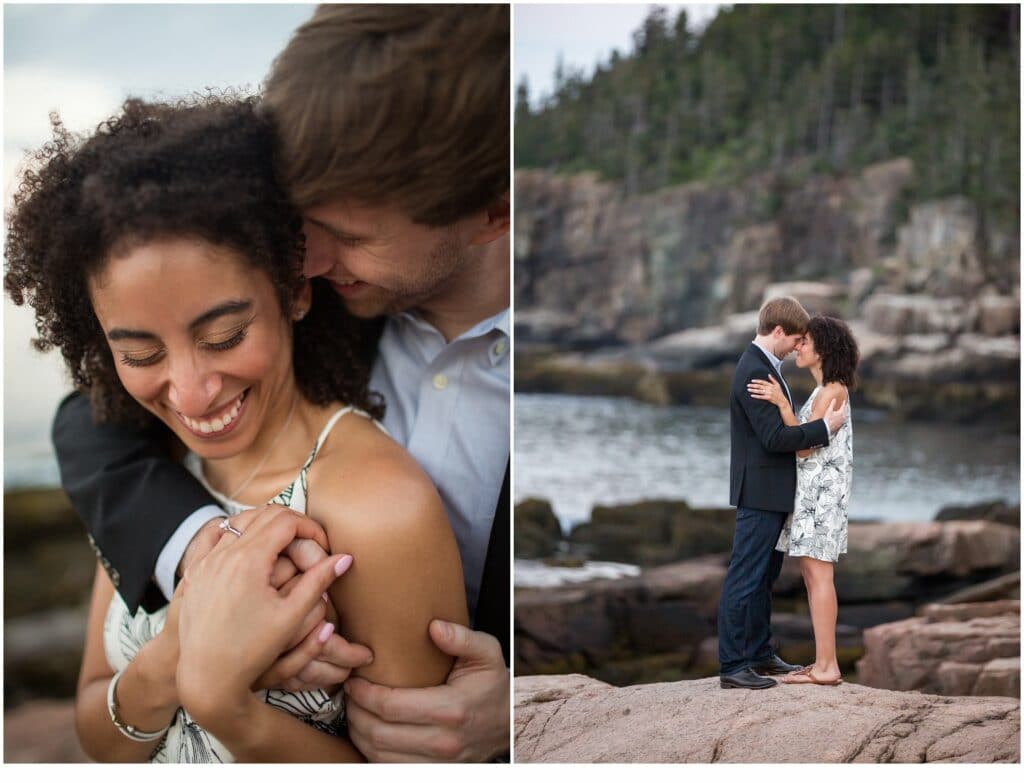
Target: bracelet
[{"x": 128, "y": 730}]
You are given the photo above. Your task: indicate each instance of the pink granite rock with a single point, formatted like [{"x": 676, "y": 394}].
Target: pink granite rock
[
  {"x": 955, "y": 650},
  {"x": 576, "y": 719}
]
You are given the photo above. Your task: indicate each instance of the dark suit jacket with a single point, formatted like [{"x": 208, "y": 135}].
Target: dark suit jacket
[
  {"x": 132, "y": 496},
  {"x": 762, "y": 466}
]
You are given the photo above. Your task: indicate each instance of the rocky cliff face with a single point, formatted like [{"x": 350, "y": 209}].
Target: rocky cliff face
[
  {"x": 577, "y": 719},
  {"x": 593, "y": 266},
  {"x": 659, "y": 288}
]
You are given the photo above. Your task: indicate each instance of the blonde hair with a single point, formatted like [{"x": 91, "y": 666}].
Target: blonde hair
[
  {"x": 782, "y": 311},
  {"x": 406, "y": 105}
]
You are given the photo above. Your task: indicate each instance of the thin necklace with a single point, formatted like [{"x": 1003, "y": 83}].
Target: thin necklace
[{"x": 266, "y": 456}]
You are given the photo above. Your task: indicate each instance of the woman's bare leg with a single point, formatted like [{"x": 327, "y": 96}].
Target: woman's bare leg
[{"x": 821, "y": 595}]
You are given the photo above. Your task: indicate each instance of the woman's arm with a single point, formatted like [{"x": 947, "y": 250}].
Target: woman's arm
[
  {"x": 146, "y": 695},
  {"x": 406, "y": 570}
]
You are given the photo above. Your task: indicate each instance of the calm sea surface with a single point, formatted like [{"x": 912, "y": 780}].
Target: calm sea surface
[{"x": 578, "y": 452}]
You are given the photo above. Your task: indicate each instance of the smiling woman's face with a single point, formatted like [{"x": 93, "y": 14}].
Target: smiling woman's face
[{"x": 198, "y": 339}]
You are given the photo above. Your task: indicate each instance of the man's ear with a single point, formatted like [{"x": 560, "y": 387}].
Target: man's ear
[{"x": 496, "y": 221}]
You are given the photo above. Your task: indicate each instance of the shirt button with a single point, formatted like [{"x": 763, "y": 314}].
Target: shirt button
[
  {"x": 500, "y": 347},
  {"x": 440, "y": 381}
]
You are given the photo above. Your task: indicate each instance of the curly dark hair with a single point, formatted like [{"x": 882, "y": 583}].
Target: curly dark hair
[
  {"x": 202, "y": 168},
  {"x": 837, "y": 347}
]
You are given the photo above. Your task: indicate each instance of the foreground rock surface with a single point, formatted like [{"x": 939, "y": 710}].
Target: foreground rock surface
[
  {"x": 576, "y": 719},
  {"x": 954, "y": 650}
]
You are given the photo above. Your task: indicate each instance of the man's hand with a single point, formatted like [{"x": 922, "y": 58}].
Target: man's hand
[
  {"x": 836, "y": 418},
  {"x": 466, "y": 719}
]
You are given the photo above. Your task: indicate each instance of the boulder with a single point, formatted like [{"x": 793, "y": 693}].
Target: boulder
[
  {"x": 538, "y": 533},
  {"x": 998, "y": 315},
  {"x": 578, "y": 719},
  {"x": 690, "y": 349},
  {"x": 902, "y": 314},
  {"x": 654, "y": 532},
  {"x": 953, "y": 650},
  {"x": 817, "y": 298},
  {"x": 617, "y": 626},
  {"x": 995, "y": 510},
  {"x": 917, "y": 561}
]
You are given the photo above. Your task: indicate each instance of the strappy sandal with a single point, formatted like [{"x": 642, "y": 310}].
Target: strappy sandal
[{"x": 811, "y": 679}]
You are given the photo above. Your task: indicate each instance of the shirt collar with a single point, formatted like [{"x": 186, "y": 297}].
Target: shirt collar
[
  {"x": 499, "y": 321},
  {"x": 776, "y": 362}
]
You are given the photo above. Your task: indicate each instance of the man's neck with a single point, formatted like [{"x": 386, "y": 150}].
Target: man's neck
[
  {"x": 766, "y": 343},
  {"x": 479, "y": 292}
]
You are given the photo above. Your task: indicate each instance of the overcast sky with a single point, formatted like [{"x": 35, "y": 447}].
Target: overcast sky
[{"x": 597, "y": 29}]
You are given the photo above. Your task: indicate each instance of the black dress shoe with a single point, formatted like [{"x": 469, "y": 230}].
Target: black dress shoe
[
  {"x": 746, "y": 678},
  {"x": 773, "y": 666}
]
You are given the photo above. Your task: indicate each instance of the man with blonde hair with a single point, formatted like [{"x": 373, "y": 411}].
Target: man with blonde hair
[
  {"x": 762, "y": 486},
  {"x": 393, "y": 124}
]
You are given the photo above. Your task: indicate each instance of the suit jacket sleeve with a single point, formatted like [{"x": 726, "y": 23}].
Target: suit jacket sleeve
[
  {"x": 124, "y": 485},
  {"x": 767, "y": 422}
]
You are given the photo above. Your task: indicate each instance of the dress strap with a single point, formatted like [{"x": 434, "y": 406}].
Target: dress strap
[{"x": 330, "y": 425}]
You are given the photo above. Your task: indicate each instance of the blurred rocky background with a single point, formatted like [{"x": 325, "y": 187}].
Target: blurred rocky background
[{"x": 48, "y": 572}]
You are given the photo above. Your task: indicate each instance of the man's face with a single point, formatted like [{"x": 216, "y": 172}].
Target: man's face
[
  {"x": 785, "y": 344},
  {"x": 378, "y": 260}
]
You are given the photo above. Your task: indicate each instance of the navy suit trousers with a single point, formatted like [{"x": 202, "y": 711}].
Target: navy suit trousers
[{"x": 745, "y": 608}]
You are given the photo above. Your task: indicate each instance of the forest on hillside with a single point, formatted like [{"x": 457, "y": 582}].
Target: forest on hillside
[{"x": 797, "y": 90}]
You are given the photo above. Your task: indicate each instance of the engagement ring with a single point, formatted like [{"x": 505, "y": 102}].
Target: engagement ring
[{"x": 225, "y": 524}]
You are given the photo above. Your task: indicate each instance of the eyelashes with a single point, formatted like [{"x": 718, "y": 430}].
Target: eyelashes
[
  {"x": 152, "y": 358},
  {"x": 229, "y": 343}
]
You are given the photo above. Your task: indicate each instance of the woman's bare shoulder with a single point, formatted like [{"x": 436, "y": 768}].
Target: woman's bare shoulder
[{"x": 360, "y": 474}]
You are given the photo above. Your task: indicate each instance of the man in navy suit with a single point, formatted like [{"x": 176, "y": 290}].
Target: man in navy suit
[{"x": 762, "y": 485}]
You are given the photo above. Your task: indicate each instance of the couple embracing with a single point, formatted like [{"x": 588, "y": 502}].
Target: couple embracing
[
  {"x": 790, "y": 476},
  {"x": 286, "y": 319}
]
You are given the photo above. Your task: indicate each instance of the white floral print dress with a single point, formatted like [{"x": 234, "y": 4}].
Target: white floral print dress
[
  {"x": 818, "y": 525},
  {"x": 124, "y": 635}
]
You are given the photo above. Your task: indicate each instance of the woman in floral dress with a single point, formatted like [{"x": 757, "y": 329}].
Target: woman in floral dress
[{"x": 816, "y": 531}]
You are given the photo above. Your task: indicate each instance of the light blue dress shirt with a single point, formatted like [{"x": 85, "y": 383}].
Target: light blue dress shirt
[{"x": 448, "y": 405}]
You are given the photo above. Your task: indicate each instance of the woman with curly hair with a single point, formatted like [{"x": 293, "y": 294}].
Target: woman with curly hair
[
  {"x": 816, "y": 530},
  {"x": 162, "y": 258}
]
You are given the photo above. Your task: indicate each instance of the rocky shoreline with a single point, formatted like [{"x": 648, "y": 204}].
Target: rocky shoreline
[{"x": 661, "y": 624}]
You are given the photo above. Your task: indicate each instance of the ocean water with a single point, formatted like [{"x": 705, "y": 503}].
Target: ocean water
[
  {"x": 34, "y": 384},
  {"x": 578, "y": 452}
]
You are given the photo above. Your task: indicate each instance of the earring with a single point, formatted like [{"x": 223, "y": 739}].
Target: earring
[{"x": 298, "y": 315}]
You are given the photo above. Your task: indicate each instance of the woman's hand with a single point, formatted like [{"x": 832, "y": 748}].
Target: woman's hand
[
  {"x": 233, "y": 621},
  {"x": 770, "y": 391}
]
